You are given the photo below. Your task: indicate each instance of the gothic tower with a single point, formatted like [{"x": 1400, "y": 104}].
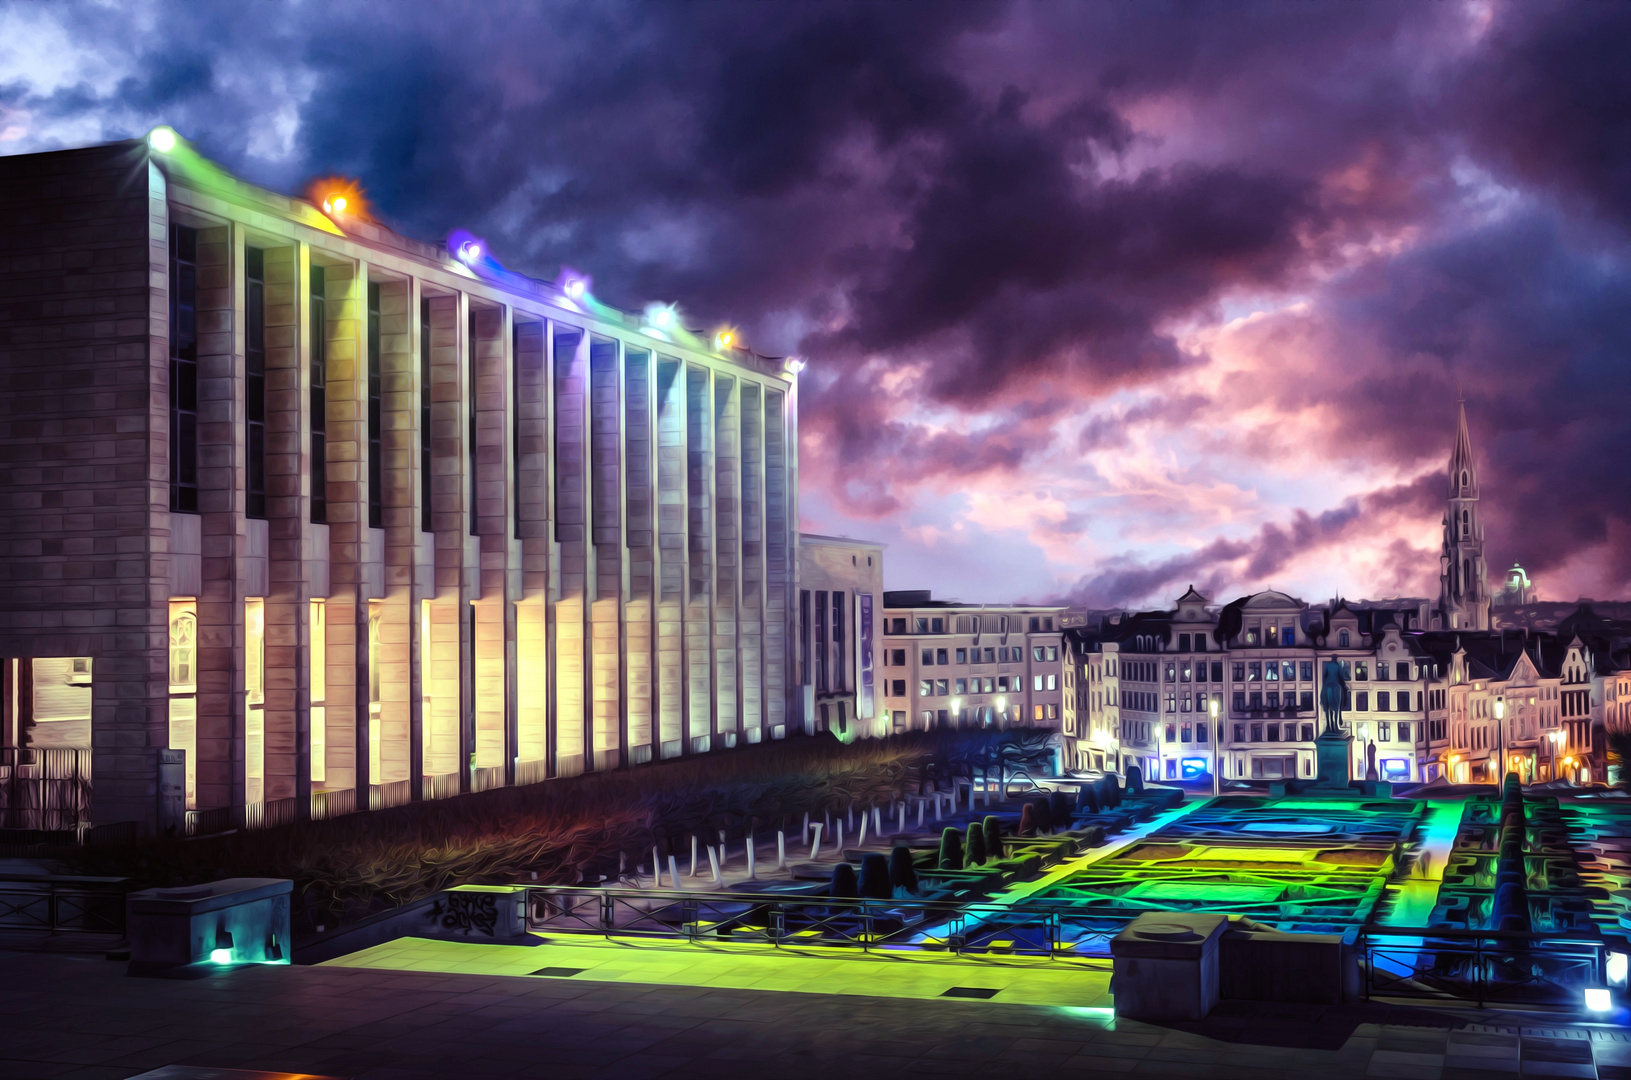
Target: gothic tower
[{"x": 1463, "y": 596}]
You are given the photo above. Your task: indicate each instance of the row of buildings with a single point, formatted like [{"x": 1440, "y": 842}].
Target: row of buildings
[
  {"x": 1434, "y": 690},
  {"x": 300, "y": 517}
]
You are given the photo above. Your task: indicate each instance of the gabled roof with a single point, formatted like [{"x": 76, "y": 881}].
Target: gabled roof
[{"x": 1192, "y": 597}]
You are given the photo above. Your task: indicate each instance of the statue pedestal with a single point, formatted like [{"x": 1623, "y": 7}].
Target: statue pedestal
[{"x": 1332, "y": 755}]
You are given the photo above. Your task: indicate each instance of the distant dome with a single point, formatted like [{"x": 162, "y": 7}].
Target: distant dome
[{"x": 1271, "y": 599}]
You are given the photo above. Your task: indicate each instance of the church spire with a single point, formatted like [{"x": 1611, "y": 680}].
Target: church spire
[
  {"x": 1463, "y": 469},
  {"x": 1463, "y": 590}
]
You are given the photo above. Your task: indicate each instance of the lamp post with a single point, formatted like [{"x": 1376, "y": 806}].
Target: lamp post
[
  {"x": 1217, "y": 736},
  {"x": 1002, "y": 712},
  {"x": 1500, "y": 741},
  {"x": 1556, "y": 739},
  {"x": 957, "y": 712}
]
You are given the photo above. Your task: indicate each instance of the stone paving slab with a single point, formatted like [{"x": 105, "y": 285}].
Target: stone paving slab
[{"x": 79, "y": 1018}]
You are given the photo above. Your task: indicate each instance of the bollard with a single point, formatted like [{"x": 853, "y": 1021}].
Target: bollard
[
  {"x": 674, "y": 871},
  {"x": 806, "y": 834},
  {"x": 751, "y": 874},
  {"x": 815, "y": 847},
  {"x": 902, "y": 808},
  {"x": 693, "y": 872},
  {"x": 860, "y": 840},
  {"x": 838, "y": 843},
  {"x": 877, "y": 822},
  {"x": 849, "y": 816},
  {"x": 920, "y": 813},
  {"x": 781, "y": 850},
  {"x": 938, "y": 806},
  {"x": 713, "y": 864},
  {"x": 722, "y": 856},
  {"x": 656, "y": 867}
]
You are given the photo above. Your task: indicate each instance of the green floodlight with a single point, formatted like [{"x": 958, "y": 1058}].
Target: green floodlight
[{"x": 162, "y": 139}]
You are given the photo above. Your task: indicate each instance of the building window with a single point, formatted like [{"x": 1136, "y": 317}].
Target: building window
[
  {"x": 804, "y": 637},
  {"x": 1308, "y": 733},
  {"x": 925, "y": 687},
  {"x": 1271, "y": 636},
  {"x": 319, "y": 394},
  {"x": 1383, "y": 701},
  {"x": 899, "y": 657},
  {"x": 319, "y": 690},
  {"x": 1362, "y": 701},
  {"x": 1254, "y": 671},
  {"x": 1257, "y": 733},
  {"x": 1342, "y": 639},
  {"x": 1404, "y": 731},
  {"x": 1172, "y": 703},
  {"x": 183, "y": 369},
  {"x": 927, "y": 659},
  {"x": 1288, "y": 670},
  {"x": 1240, "y": 733},
  {"x": 899, "y": 688},
  {"x": 961, "y": 686},
  {"x": 255, "y": 382},
  {"x": 1307, "y": 701},
  {"x": 183, "y": 650},
  {"x": 962, "y": 656},
  {"x": 1383, "y": 730},
  {"x": 1307, "y": 668},
  {"x": 840, "y": 669},
  {"x": 425, "y": 519},
  {"x": 1240, "y": 701},
  {"x": 1255, "y": 700},
  {"x": 940, "y": 657},
  {"x": 1251, "y": 636},
  {"x": 1036, "y": 683},
  {"x": 376, "y": 457},
  {"x": 1053, "y": 682},
  {"x": 937, "y": 626},
  {"x": 941, "y": 688}
]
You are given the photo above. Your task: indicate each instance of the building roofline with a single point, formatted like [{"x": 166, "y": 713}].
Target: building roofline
[{"x": 850, "y": 541}]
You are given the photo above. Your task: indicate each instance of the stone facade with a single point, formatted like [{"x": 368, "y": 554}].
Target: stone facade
[{"x": 436, "y": 527}]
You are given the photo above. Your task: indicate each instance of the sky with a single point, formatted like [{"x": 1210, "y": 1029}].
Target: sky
[{"x": 1099, "y": 299}]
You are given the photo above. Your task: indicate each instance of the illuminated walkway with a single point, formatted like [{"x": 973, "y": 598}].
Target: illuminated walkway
[
  {"x": 750, "y": 966},
  {"x": 1415, "y": 896}
]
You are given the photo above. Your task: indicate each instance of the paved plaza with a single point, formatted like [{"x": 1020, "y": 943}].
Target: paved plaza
[{"x": 81, "y": 1016}]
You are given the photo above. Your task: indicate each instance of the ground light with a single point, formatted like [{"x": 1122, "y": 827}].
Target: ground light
[
  {"x": 162, "y": 139},
  {"x": 1618, "y": 963},
  {"x": 222, "y": 953},
  {"x": 1598, "y": 999}
]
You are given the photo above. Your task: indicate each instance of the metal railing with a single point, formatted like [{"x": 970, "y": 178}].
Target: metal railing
[
  {"x": 965, "y": 929},
  {"x": 330, "y": 804},
  {"x": 47, "y": 789},
  {"x": 1481, "y": 965},
  {"x": 93, "y": 905}
]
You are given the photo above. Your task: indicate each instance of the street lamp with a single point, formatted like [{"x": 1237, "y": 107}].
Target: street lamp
[
  {"x": 1002, "y": 712},
  {"x": 957, "y": 711},
  {"x": 1500, "y": 740},
  {"x": 1217, "y": 736},
  {"x": 1556, "y": 739}
]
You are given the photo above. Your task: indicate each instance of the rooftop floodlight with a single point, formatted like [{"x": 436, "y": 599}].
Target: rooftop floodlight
[
  {"x": 470, "y": 252},
  {"x": 660, "y": 315},
  {"x": 574, "y": 288},
  {"x": 723, "y": 339},
  {"x": 334, "y": 204},
  {"x": 1598, "y": 999},
  {"x": 795, "y": 364},
  {"x": 162, "y": 139}
]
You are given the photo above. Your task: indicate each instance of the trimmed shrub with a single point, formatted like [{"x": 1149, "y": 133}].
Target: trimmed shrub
[
  {"x": 875, "y": 877},
  {"x": 992, "y": 828},
  {"x": 1135, "y": 779},
  {"x": 902, "y": 874},
  {"x": 1027, "y": 820},
  {"x": 1059, "y": 809},
  {"x": 1087, "y": 798},
  {"x": 1511, "y": 908},
  {"x": 843, "y": 883},
  {"x": 1043, "y": 819},
  {"x": 951, "y": 849},
  {"x": 976, "y": 844}
]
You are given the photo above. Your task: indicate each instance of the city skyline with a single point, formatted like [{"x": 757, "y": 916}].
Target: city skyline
[{"x": 1338, "y": 222}]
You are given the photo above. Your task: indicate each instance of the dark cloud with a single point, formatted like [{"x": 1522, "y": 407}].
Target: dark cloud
[{"x": 979, "y": 218}]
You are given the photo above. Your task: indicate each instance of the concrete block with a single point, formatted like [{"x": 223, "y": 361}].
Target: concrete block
[
  {"x": 235, "y": 920},
  {"x": 1166, "y": 966}
]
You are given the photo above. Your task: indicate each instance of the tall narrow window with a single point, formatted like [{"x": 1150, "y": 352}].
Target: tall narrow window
[
  {"x": 470, "y": 412},
  {"x": 425, "y": 521},
  {"x": 820, "y": 640},
  {"x": 515, "y": 428},
  {"x": 319, "y": 691},
  {"x": 319, "y": 396},
  {"x": 376, "y": 457},
  {"x": 804, "y": 637},
  {"x": 838, "y": 672},
  {"x": 183, "y": 369},
  {"x": 255, "y": 380},
  {"x": 375, "y": 615}
]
